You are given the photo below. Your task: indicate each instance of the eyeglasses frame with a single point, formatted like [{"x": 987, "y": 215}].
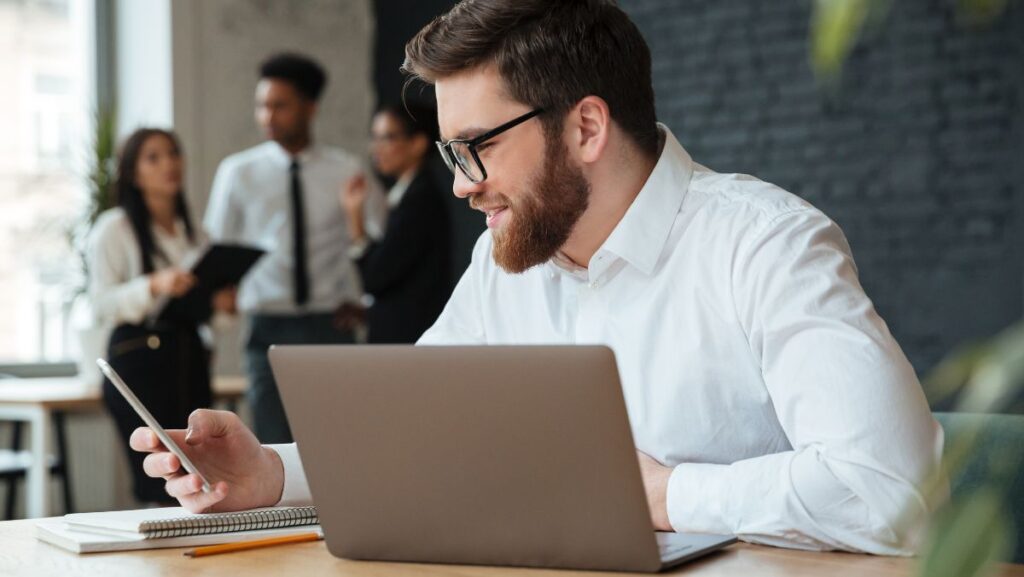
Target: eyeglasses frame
[{"x": 472, "y": 143}]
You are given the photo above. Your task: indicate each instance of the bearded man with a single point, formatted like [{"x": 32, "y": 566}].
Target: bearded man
[{"x": 767, "y": 397}]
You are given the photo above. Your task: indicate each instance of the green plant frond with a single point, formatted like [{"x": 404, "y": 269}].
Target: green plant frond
[
  {"x": 100, "y": 156},
  {"x": 958, "y": 454},
  {"x": 999, "y": 375},
  {"x": 835, "y": 27},
  {"x": 951, "y": 375},
  {"x": 980, "y": 12},
  {"x": 967, "y": 537},
  {"x": 102, "y": 163}
]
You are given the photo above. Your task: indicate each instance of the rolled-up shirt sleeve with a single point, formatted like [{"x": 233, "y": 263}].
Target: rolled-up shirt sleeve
[
  {"x": 864, "y": 442},
  {"x": 296, "y": 488}
]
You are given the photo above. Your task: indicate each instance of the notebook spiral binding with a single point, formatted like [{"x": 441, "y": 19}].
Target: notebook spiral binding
[{"x": 230, "y": 522}]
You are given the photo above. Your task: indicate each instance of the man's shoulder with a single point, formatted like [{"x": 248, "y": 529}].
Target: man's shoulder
[
  {"x": 243, "y": 159},
  {"x": 336, "y": 160},
  {"x": 745, "y": 200},
  {"x": 336, "y": 153}
]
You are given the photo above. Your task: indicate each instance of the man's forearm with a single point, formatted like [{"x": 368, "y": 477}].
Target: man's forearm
[{"x": 799, "y": 499}]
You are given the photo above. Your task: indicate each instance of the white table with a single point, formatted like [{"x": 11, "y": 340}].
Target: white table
[{"x": 35, "y": 400}]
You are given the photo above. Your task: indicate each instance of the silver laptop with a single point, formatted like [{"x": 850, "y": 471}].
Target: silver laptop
[{"x": 505, "y": 455}]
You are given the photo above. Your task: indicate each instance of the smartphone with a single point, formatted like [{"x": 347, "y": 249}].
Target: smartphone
[{"x": 150, "y": 421}]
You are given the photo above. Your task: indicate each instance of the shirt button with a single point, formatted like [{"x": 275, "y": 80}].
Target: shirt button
[{"x": 595, "y": 284}]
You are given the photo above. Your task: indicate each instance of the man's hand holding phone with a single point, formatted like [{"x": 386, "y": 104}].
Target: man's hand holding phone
[
  {"x": 243, "y": 474},
  {"x": 217, "y": 446}
]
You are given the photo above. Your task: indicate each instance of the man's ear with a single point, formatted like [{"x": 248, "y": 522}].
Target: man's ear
[{"x": 591, "y": 126}]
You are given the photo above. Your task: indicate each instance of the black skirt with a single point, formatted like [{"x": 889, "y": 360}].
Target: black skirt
[{"x": 168, "y": 369}]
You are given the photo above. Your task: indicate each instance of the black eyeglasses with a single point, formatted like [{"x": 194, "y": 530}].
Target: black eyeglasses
[{"x": 462, "y": 153}]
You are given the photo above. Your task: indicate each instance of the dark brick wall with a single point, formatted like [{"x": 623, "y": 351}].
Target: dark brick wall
[{"x": 918, "y": 156}]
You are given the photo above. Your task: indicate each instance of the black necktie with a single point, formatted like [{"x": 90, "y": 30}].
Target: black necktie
[{"x": 299, "y": 227}]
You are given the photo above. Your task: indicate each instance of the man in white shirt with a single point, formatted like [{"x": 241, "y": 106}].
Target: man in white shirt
[
  {"x": 766, "y": 396},
  {"x": 282, "y": 195}
]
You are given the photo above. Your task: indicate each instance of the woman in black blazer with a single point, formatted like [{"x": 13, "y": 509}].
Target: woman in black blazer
[{"x": 406, "y": 273}]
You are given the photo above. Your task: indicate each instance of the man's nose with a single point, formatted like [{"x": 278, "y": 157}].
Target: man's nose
[{"x": 462, "y": 187}]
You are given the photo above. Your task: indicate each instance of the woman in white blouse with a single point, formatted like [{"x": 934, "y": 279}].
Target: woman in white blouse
[{"x": 139, "y": 286}]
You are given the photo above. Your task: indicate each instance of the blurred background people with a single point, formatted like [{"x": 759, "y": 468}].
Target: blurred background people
[
  {"x": 407, "y": 272},
  {"x": 281, "y": 195},
  {"x": 136, "y": 253}
]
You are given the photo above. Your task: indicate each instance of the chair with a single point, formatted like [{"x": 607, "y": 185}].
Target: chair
[
  {"x": 14, "y": 463},
  {"x": 997, "y": 452}
]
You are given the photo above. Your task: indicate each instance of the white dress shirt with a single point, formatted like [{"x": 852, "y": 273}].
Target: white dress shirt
[
  {"x": 118, "y": 289},
  {"x": 751, "y": 360},
  {"x": 250, "y": 203}
]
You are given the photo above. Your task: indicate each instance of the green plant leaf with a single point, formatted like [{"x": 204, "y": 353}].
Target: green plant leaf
[
  {"x": 100, "y": 159},
  {"x": 981, "y": 11},
  {"x": 951, "y": 375},
  {"x": 102, "y": 164},
  {"x": 835, "y": 27},
  {"x": 999, "y": 376},
  {"x": 967, "y": 537}
]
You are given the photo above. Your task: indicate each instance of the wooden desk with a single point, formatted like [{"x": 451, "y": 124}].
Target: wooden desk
[
  {"x": 22, "y": 555},
  {"x": 35, "y": 400}
]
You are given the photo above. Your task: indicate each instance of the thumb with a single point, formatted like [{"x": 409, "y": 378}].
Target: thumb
[{"x": 205, "y": 424}]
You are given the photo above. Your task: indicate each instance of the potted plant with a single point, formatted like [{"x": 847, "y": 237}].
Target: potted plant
[{"x": 91, "y": 336}]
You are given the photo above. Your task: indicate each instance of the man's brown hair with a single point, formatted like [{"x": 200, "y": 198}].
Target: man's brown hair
[{"x": 550, "y": 54}]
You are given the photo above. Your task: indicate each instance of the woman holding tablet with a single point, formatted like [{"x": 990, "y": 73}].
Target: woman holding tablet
[{"x": 136, "y": 254}]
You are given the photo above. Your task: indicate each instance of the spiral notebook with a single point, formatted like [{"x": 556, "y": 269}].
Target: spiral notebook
[{"x": 172, "y": 527}]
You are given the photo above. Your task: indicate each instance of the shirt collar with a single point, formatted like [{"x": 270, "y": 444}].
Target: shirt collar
[
  {"x": 564, "y": 264},
  {"x": 161, "y": 232},
  {"x": 640, "y": 236},
  {"x": 284, "y": 158},
  {"x": 399, "y": 189}
]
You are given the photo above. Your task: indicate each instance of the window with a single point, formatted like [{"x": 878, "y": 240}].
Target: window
[{"x": 46, "y": 59}]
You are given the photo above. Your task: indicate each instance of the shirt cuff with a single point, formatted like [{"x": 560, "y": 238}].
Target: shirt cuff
[
  {"x": 296, "y": 488},
  {"x": 694, "y": 498},
  {"x": 138, "y": 298},
  {"x": 357, "y": 249}
]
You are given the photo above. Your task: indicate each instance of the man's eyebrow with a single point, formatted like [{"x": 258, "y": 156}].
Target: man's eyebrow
[{"x": 466, "y": 134}]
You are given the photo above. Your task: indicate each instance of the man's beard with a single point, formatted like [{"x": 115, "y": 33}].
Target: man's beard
[{"x": 543, "y": 218}]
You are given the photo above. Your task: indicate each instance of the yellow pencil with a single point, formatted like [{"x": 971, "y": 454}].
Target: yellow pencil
[{"x": 243, "y": 545}]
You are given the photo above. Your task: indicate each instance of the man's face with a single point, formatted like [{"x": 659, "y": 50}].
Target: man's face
[
  {"x": 534, "y": 193},
  {"x": 282, "y": 112}
]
